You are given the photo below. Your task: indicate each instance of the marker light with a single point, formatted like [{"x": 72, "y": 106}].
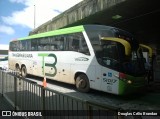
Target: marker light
[
  {"x": 129, "y": 81},
  {"x": 116, "y": 16},
  {"x": 122, "y": 76}
]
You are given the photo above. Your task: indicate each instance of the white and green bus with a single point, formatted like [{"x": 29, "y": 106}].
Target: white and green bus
[
  {"x": 148, "y": 59},
  {"x": 90, "y": 56}
]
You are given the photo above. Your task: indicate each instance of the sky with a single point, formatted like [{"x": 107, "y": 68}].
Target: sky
[{"x": 17, "y": 16}]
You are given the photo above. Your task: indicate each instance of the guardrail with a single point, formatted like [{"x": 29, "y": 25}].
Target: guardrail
[{"x": 25, "y": 95}]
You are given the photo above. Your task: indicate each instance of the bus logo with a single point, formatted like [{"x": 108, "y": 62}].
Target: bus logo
[
  {"x": 109, "y": 81},
  {"x": 52, "y": 65},
  {"x": 109, "y": 74},
  {"x": 81, "y": 59}
]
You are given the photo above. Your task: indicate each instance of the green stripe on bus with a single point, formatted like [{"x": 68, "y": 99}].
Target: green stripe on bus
[
  {"x": 56, "y": 32},
  {"x": 121, "y": 87},
  {"x": 125, "y": 88}
]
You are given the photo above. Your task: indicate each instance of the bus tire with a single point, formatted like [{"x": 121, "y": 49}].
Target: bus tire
[
  {"x": 18, "y": 71},
  {"x": 24, "y": 71},
  {"x": 82, "y": 83}
]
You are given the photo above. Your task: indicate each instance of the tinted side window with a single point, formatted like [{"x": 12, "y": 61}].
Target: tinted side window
[
  {"x": 57, "y": 43},
  {"x": 53, "y": 44},
  {"x": 60, "y": 43},
  {"x": 24, "y": 45},
  {"x": 77, "y": 43},
  {"x": 13, "y": 46},
  {"x": 44, "y": 44},
  {"x": 83, "y": 47},
  {"x": 34, "y": 45}
]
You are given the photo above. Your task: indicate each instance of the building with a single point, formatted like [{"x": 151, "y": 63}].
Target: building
[{"x": 4, "y": 50}]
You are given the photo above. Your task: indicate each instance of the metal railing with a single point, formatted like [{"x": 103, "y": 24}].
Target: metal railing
[{"x": 25, "y": 95}]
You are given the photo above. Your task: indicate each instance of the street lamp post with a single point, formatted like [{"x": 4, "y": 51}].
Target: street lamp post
[{"x": 34, "y": 16}]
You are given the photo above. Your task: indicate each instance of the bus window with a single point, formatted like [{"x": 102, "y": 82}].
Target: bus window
[
  {"x": 83, "y": 47},
  {"x": 53, "y": 44},
  {"x": 74, "y": 45},
  {"x": 57, "y": 43},
  {"x": 34, "y": 45},
  {"x": 13, "y": 46},
  {"x": 109, "y": 54},
  {"x": 61, "y": 44},
  {"x": 24, "y": 45},
  {"x": 77, "y": 43},
  {"x": 148, "y": 50},
  {"x": 128, "y": 37},
  {"x": 44, "y": 44}
]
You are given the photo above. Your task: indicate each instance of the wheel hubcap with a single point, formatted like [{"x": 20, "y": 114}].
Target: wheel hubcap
[
  {"x": 23, "y": 72},
  {"x": 18, "y": 71},
  {"x": 82, "y": 83}
]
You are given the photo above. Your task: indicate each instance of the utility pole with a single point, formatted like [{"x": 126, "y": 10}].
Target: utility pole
[{"x": 34, "y": 16}]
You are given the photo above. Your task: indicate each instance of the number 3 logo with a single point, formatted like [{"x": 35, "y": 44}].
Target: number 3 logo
[{"x": 53, "y": 65}]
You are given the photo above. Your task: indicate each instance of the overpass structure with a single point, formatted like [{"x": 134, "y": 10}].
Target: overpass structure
[
  {"x": 139, "y": 17},
  {"x": 81, "y": 13}
]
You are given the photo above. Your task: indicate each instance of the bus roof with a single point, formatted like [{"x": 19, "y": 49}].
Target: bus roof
[
  {"x": 69, "y": 30},
  {"x": 55, "y": 32}
]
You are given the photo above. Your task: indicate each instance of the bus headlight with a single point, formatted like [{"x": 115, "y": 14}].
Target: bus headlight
[{"x": 129, "y": 81}]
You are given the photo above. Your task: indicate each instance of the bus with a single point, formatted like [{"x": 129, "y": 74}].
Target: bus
[
  {"x": 96, "y": 57},
  {"x": 147, "y": 52},
  {"x": 148, "y": 56}
]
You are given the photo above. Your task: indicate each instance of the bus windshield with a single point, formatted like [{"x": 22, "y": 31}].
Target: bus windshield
[
  {"x": 146, "y": 48},
  {"x": 113, "y": 54}
]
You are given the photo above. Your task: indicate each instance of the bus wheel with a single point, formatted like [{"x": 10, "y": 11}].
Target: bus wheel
[
  {"x": 18, "y": 72},
  {"x": 24, "y": 71},
  {"x": 82, "y": 83}
]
